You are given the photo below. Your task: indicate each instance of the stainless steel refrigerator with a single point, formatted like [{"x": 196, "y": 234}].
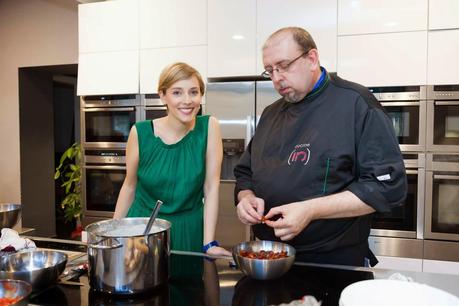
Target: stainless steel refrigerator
[{"x": 237, "y": 106}]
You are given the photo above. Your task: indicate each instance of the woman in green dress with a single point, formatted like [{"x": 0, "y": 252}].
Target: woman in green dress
[{"x": 176, "y": 159}]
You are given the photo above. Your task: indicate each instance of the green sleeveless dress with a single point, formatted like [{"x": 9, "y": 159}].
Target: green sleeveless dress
[{"x": 175, "y": 175}]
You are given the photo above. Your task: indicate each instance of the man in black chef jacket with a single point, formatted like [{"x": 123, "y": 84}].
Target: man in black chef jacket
[{"x": 324, "y": 157}]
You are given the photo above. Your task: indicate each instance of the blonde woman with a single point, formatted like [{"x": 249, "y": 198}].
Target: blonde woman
[{"x": 176, "y": 159}]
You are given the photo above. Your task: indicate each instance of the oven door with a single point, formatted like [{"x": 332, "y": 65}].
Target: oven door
[
  {"x": 101, "y": 187},
  {"x": 443, "y": 126},
  {"x": 408, "y": 119},
  {"x": 107, "y": 127},
  {"x": 402, "y": 221},
  {"x": 442, "y": 205},
  {"x": 155, "y": 112}
]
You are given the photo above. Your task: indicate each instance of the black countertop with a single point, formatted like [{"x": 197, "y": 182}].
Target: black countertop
[
  {"x": 208, "y": 282},
  {"x": 205, "y": 282}
]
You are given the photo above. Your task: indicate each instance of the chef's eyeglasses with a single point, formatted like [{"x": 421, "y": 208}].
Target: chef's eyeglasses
[{"x": 281, "y": 67}]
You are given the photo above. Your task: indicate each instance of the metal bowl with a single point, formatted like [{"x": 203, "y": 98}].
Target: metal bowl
[
  {"x": 9, "y": 214},
  {"x": 40, "y": 268},
  {"x": 16, "y": 290},
  {"x": 264, "y": 268}
]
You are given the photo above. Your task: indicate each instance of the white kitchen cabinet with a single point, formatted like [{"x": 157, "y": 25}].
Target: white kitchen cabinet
[
  {"x": 399, "y": 263},
  {"x": 153, "y": 61},
  {"x": 172, "y": 23},
  {"x": 373, "y": 16},
  {"x": 108, "y": 73},
  {"x": 231, "y": 38},
  {"x": 443, "y": 60},
  {"x": 108, "y": 26},
  {"x": 318, "y": 17},
  {"x": 384, "y": 59},
  {"x": 443, "y": 14}
]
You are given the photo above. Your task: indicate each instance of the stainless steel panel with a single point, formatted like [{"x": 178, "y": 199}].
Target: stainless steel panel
[
  {"x": 441, "y": 95},
  {"x": 441, "y": 250},
  {"x": 392, "y": 233},
  {"x": 151, "y": 100},
  {"x": 419, "y": 162},
  {"x": 398, "y": 247},
  {"x": 430, "y": 128},
  {"x": 449, "y": 163},
  {"x": 112, "y": 102},
  {"x": 397, "y": 103},
  {"x": 231, "y": 103},
  {"x": 265, "y": 95},
  {"x": 105, "y": 159},
  {"x": 230, "y": 230},
  {"x": 453, "y": 103},
  {"x": 403, "y": 96},
  {"x": 420, "y": 204}
]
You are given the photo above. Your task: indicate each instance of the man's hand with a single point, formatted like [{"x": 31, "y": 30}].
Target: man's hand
[
  {"x": 294, "y": 218},
  {"x": 250, "y": 208}
]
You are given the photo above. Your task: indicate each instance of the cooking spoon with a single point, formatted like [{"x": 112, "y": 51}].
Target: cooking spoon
[{"x": 152, "y": 217}]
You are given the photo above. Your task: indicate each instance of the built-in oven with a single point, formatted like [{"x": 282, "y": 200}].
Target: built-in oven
[
  {"x": 153, "y": 107},
  {"x": 104, "y": 171},
  {"x": 400, "y": 231},
  {"x": 443, "y": 118},
  {"x": 406, "y": 106},
  {"x": 107, "y": 120},
  {"x": 441, "y": 229}
]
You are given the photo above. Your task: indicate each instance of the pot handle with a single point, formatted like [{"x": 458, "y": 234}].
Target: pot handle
[{"x": 105, "y": 247}]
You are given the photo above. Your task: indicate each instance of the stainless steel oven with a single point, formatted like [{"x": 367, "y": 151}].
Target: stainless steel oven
[
  {"x": 400, "y": 231},
  {"x": 153, "y": 108},
  {"x": 443, "y": 118},
  {"x": 442, "y": 207},
  {"x": 107, "y": 120},
  {"x": 103, "y": 175},
  {"x": 406, "y": 107}
]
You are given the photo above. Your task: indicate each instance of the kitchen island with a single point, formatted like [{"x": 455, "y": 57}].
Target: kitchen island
[{"x": 196, "y": 280}]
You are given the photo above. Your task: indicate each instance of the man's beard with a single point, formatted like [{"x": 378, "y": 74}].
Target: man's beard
[{"x": 291, "y": 97}]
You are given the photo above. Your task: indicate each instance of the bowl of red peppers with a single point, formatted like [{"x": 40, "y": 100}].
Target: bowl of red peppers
[
  {"x": 14, "y": 292},
  {"x": 264, "y": 259}
]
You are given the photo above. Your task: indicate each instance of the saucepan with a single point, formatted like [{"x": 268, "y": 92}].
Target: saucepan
[{"x": 122, "y": 260}]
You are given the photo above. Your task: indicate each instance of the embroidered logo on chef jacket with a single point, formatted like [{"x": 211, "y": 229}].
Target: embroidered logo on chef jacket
[{"x": 300, "y": 154}]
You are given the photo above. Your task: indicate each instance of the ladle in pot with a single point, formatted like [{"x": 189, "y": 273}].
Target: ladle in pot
[{"x": 152, "y": 217}]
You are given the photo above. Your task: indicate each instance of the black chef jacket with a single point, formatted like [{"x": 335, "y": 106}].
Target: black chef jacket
[{"x": 337, "y": 138}]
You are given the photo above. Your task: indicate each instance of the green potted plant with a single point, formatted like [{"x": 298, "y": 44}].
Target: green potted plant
[{"x": 69, "y": 173}]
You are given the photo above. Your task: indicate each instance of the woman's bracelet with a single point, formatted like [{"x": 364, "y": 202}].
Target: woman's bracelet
[{"x": 209, "y": 245}]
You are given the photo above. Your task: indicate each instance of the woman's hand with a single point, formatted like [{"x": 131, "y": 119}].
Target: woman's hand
[{"x": 218, "y": 251}]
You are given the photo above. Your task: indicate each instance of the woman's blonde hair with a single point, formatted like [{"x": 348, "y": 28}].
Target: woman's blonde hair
[{"x": 178, "y": 72}]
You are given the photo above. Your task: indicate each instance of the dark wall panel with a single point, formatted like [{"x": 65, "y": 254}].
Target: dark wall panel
[{"x": 37, "y": 150}]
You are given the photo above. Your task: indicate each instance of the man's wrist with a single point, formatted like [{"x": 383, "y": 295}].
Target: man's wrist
[{"x": 244, "y": 193}]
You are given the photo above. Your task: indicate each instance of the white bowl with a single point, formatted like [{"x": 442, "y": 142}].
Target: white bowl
[{"x": 385, "y": 292}]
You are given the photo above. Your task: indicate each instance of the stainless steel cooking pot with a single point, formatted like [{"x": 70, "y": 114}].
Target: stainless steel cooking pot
[{"x": 128, "y": 262}]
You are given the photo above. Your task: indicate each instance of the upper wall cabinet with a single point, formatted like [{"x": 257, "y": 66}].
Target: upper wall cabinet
[
  {"x": 384, "y": 59},
  {"x": 443, "y": 62},
  {"x": 231, "y": 38},
  {"x": 374, "y": 16},
  {"x": 318, "y": 17},
  {"x": 108, "y": 26},
  {"x": 108, "y": 73},
  {"x": 443, "y": 14},
  {"x": 153, "y": 61},
  {"x": 172, "y": 23}
]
